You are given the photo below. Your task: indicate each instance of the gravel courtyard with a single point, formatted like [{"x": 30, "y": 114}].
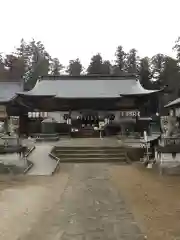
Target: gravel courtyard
[{"x": 91, "y": 201}]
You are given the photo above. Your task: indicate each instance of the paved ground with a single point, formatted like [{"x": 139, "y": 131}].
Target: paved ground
[
  {"x": 86, "y": 201},
  {"x": 79, "y": 203},
  {"x": 43, "y": 164},
  {"x": 92, "y": 209}
]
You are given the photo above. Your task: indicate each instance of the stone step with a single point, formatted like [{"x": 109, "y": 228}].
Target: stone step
[
  {"x": 91, "y": 148},
  {"x": 89, "y": 151},
  {"x": 47, "y": 139},
  {"x": 91, "y": 154},
  {"x": 92, "y": 160},
  {"x": 85, "y": 135},
  {"x": 94, "y": 155}
]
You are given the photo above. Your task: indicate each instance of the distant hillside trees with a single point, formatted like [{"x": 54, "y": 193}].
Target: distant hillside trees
[{"x": 31, "y": 60}]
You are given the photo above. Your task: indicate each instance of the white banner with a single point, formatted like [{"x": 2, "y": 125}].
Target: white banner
[
  {"x": 130, "y": 113},
  {"x": 37, "y": 114}
]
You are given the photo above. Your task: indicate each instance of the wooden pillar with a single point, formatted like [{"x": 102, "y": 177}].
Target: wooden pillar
[
  {"x": 5, "y": 117},
  {"x": 136, "y": 127},
  {"x": 70, "y": 122},
  {"x": 23, "y": 124},
  {"x": 6, "y": 125}
]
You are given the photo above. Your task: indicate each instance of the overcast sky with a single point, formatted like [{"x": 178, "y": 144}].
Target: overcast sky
[{"x": 80, "y": 28}]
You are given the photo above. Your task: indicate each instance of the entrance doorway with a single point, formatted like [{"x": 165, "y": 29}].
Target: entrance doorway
[
  {"x": 88, "y": 119},
  {"x": 87, "y": 124}
]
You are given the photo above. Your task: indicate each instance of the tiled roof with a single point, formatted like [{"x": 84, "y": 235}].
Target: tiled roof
[
  {"x": 78, "y": 87},
  {"x": 8, "y": 90}
]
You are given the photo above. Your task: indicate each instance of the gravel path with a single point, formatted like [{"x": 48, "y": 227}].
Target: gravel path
[
  {"x": 89, "y": 209},
  {"x": 79, "y": 203},
  {"x": 22, "y": 203}
]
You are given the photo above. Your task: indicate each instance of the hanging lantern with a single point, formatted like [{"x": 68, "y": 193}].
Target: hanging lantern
[
  {"x": 34, "y": 114},
  {"x": 69, "y": 121},
  {"x": 37, "y": 114},
  {"x": 29, "y": 114}
]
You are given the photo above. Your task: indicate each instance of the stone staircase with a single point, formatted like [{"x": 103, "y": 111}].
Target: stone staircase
[{"x": 90, "y": 154}]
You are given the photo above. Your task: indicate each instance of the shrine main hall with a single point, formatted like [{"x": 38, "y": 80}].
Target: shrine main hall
[{"x": 79, "y": 105}]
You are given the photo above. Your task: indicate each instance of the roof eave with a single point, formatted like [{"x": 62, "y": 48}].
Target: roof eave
[
  {"x": 33, "y": 95},
  {"x": 93, "y": 97},
  {"x": 141, "y": 94},
  {"x": 5, "y": 101},
  {"x": 172, "y": 105}
]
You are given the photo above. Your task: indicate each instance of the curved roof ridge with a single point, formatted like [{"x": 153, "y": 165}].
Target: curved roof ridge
[
  {"x": 87, "y": 77},
  {"x": 141, "y": 90}
]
